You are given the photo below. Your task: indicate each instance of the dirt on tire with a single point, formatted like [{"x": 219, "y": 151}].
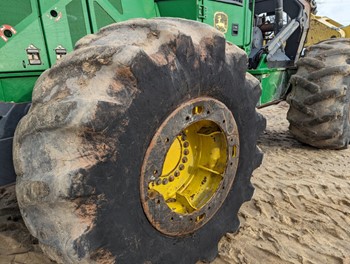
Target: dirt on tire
[
  {"x": 300, "y": 211},
  {"x": 319, "y": 113},
  {"x": 79, "y": 151}
]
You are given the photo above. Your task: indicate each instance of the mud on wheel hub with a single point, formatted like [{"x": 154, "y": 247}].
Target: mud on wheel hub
[{"x": 189, "y": 166}]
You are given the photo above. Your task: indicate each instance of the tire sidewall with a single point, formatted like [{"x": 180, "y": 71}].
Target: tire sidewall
[{"x": 158, "y": 97}]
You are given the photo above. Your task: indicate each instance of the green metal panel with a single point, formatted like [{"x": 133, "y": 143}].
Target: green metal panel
[
  {"x": 23, "y": 17},
  {"x": 188, "y": 9},
  {"x": 105, "y": 12},
  {"x": 274, "y": 81},
  {"x": 52, "y": 24},
  {"x": 238, "y": 14},
  {"x": 17, "y": 88},
  {"x": 64, "y": 22},
  {"x": 237, "y": 25},
  {"x": 273, "y": 85}
]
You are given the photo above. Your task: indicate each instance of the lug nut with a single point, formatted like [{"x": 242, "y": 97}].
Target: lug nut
[
  {"x": 159, "y": 182},
  {"x": 177, "y": 173},
  {"x": 171, "y": 178},
  {"x": 165, "y": 181},
  {"x": 152, "y": 194},
  {"x": 186, "y": 152},
  {"x": 181, "y": 167},
  {"x": 186, "y": 144},
  {"x": 184, "y": 160}
]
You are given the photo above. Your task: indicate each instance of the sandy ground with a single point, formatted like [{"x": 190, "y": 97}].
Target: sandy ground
[
  {"x": 17, "y": 246},
  {"x": 300, "y": 212}
]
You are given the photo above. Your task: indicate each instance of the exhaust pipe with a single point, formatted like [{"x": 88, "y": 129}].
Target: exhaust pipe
[{"x": 278, "y": 15}]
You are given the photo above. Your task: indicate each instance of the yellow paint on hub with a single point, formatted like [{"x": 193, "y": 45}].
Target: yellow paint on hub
[
  {"x": 173, "y": 157},
  {"x": 193, "y": 167}
]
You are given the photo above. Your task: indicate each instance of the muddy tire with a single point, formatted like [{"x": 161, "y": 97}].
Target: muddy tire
[
  {"x": 80, "y": 151},
  {"x": 319, "y": 101}
]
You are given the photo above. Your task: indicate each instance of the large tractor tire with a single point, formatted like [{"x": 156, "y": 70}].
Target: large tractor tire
[
  {"x": 139, "y": 145},
  {"x": 319, "y": 100}
]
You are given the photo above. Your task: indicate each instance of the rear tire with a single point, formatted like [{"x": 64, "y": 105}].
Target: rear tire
[
  {"x": 79, "y": 151},
  {"x": 319, "y": 101}
]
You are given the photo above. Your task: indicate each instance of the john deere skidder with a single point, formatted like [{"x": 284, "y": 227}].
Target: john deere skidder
[{"x": 138, "y": 146}]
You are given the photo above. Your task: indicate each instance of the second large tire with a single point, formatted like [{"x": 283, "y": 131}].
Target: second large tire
[
  {"x": 79, "y": 152},
  {"x": 319, "y": 101}
]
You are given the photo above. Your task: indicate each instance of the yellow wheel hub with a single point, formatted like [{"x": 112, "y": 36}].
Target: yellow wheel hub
[
  {"x": 189, "y": 166},
  {"x": 193, "y": 167}
]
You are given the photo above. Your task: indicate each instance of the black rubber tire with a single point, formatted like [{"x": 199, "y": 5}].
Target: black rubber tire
[
  {"x": 319, "y": 100},
  {"x": 78, "y": 153}
]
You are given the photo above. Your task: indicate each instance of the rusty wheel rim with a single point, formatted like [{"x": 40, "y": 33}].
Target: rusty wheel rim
[{"x": 189, "y": 166}]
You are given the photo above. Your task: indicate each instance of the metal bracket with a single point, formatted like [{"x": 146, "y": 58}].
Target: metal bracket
[
  {"x": 60, "y": 52},
  {"x": 274, "y": 45},
  {"x": 202, "y": 10},
  {"x": 33, "y": 54}
]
